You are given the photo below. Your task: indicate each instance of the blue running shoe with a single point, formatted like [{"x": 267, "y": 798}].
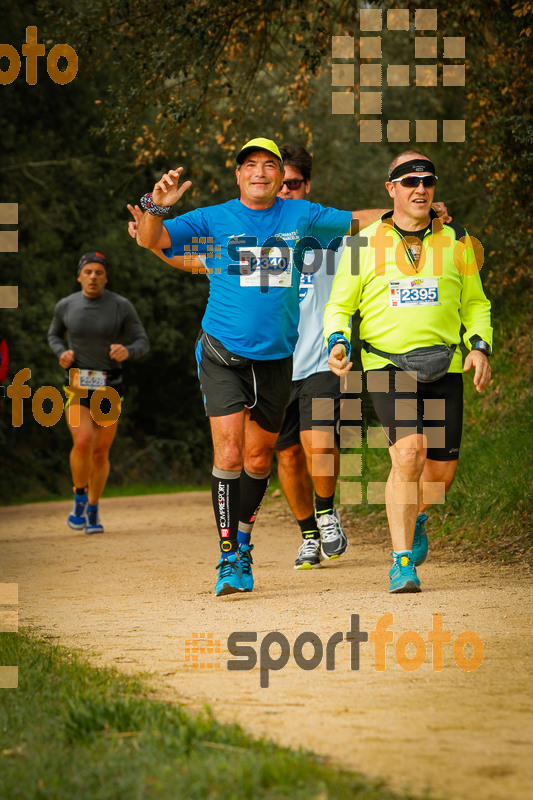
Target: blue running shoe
[
  {"x": 403, "y": 577},
  {"x": 420, "y": 541},
  {"x": 93, "y": 520},
  {"x": 229, "y": 575},
  {"x": 246, "y": 561},
  {"x": 78, "y": 516}
]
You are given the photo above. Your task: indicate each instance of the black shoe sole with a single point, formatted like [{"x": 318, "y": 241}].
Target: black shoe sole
[{"x": 227, "y": 589}]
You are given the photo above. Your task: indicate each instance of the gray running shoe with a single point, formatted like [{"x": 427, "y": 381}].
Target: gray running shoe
[
  {"x": 309, "y": 556},
  {"x": 333, "y": 540}
]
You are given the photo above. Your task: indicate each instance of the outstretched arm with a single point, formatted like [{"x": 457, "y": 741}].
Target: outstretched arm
[
  {"x": 367, "y": 216},
  {"x": 151, "y": 233},
  {"x": 185, "y": 263}
]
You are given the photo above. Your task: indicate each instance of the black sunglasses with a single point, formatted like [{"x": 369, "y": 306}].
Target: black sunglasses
[
  {"x": 293, "y": 183},
  {"x": 412, "y": 181}
]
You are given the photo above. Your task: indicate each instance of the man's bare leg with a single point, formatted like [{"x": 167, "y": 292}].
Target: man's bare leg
[
  {"x": 102, "y": 440},
  {"x": 408, "y": 456},
  {"x": 296, "y": 481},
  {"x": 82, "y": 444},
  {"x": 437, "y": 477},
  {"x": 89, "y": 464},
  {"x": 258, "y": 452},
  {"x": 324, "y": 476}
]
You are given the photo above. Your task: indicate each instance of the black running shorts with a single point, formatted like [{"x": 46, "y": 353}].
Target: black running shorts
[
  {"x": 404, "y": 406},
  {"x": 261, "y": 386},
  {"x": 105, "y": 404},
  {"x": 299, "y": 414}
]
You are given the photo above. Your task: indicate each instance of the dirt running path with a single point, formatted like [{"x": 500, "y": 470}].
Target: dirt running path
[{"x": 135, "y": 597}]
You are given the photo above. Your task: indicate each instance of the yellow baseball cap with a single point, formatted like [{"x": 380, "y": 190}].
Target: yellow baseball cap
[{"x": 259, "y": 144}]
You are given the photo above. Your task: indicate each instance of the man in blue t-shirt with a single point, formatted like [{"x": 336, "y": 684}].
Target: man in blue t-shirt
[{"x": 255, "y": 247}]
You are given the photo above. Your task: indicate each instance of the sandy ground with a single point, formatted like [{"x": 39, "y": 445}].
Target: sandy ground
[{"x": 141, "y": 598}]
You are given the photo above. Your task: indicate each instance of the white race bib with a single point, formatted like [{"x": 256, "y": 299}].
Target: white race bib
[
  {"x": 92, "y": 378},
  {"x": 307, "y": 284},
  {"x": 265, "y": 266},
  {"x": 414, "y": 292}
]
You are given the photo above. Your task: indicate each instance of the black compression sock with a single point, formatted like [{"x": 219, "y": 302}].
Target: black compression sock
[
  {"x": 253, "y": 490},
  {"x": 225, "y": 492}
]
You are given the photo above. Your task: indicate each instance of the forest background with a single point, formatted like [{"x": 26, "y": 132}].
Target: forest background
[{"x": 186, "y": 83}]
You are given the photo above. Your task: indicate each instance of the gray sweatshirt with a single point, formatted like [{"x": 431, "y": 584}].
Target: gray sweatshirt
[{"x": 92, "y": 325}]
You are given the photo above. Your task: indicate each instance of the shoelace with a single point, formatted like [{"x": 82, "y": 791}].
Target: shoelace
[
  {"x": 403, "y": 569},
  {"x": 309, "y": 547},
  {"x": 92, "y": 516},
  {"x": 80, "y": 507},
  {"x": 227, "y": 566},
  {"x": 246, "y": 558},
  {"x": 329, "y": 527}
]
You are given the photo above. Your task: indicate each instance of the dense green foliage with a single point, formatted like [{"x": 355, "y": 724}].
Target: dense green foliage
[
  {"x": 73, "y": 732},
  {"x": 186, "y": 82}
]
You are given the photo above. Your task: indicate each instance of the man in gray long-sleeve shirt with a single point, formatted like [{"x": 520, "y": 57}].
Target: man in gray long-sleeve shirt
[{"x": 95, "y": 321}]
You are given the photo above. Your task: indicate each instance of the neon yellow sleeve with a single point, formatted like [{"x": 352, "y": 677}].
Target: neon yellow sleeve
[{"x": 475, "y": 307}]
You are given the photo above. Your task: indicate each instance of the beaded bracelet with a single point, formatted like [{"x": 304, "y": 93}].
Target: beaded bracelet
[{"x": 156, "y": 211}]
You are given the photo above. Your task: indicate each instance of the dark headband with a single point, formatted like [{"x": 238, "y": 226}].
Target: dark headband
[
  {"x": 92, "y": 258},
  {"x": 416, "y": 165}
]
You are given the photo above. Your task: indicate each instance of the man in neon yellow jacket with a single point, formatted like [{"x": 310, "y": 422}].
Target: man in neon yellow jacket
[{"x": 415, "y": 283}]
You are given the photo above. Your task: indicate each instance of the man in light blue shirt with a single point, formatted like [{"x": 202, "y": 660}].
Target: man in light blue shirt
[{"x": 308, "y": 455}]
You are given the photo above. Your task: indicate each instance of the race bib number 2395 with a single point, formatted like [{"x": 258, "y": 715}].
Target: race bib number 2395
[{"x": 414, "y": 292}]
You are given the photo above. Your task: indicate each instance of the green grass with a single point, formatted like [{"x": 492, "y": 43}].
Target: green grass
[
  {"x": 131, "y": 490},
  {"x": 71, "y": 731}
]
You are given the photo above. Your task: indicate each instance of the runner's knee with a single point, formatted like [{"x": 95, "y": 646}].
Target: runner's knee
[
  {"x": 408, "y": 460},
  {"x": 83, "y": 443},
  {"x": 228, "y": 456},
  {"x": 290, "y": 457},
  {"x": 259, "y": 461},
  {"x": 100, "y": 456}
]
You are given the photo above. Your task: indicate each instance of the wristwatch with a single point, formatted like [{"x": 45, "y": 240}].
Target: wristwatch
[{"x": 481, "y": 345}]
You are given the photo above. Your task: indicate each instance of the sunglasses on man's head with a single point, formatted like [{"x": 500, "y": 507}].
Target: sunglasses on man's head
[
  {"x": 412, "y": 181},
  {"x": 293, "y": 183}
]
